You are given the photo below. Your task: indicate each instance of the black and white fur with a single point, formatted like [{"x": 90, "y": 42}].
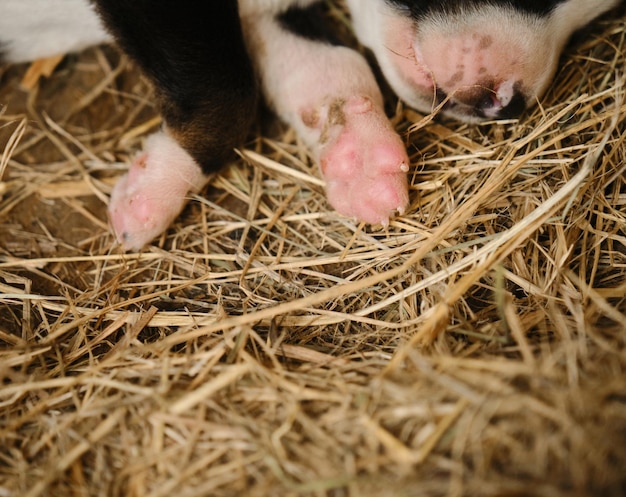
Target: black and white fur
[{"x": 478, "y": 58}]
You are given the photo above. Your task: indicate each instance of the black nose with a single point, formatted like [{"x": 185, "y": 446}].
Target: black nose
[
  {"x": 487, "y": 103},
  {"x": 514, "y": 108},
  {"x": 483, "y": 101}
]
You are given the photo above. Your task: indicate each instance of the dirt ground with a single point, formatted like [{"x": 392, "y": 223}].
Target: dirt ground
[{"x": 267, "y": 346}]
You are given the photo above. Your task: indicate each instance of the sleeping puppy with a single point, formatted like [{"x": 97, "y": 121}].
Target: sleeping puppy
[{"x": 477, "y": 59}]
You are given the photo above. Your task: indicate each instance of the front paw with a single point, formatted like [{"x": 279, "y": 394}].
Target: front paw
[
  {"x": 145, "y": 201},
  {"x": 364, "y": 161}
]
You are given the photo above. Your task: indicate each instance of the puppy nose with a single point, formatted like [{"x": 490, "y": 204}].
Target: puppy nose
[
  {"x": 498, "y": 102},
  {"x": 502, "y": 101},
  {"x": 515, "y": 106}
]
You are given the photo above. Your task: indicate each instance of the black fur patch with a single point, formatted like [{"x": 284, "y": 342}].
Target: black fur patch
[
  {"x": 418, "y": 9},
  {"x": 195, "y": 56},
  {"x": 310, "y": 22}
]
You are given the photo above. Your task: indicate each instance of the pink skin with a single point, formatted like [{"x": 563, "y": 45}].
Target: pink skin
[
  {"x": 145, "y": 201},
  {"x": 363, "y": 161},
  {"x": 402, "y": 53},
  {"x": 468, "y": 60}
]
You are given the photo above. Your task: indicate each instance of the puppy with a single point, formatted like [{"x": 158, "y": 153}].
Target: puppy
[{"x": 476, "y": 59}]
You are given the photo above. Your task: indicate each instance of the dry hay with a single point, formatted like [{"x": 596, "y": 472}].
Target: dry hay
[{"x": 267, "y": 346}]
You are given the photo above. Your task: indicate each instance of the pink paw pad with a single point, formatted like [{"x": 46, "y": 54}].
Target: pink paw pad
[
  {"x": 364, "y": 162},
  {"x": 145, "y": 201}
]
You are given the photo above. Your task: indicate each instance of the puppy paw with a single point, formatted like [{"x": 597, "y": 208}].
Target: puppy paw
[
  {"x": 146, "y": 200},
  {"x": 363, "y": 160}
]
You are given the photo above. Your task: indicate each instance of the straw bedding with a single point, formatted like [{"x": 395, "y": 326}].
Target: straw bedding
[{"x": 267, "y": 346}]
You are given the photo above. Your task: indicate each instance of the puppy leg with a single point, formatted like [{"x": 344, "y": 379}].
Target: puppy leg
[
  {"x": 146, "y": 200},
  {"x": 330, "y": 96},
  {"x": 196, "y": 59}
]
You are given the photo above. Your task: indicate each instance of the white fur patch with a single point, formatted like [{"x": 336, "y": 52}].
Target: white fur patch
[{"x": 32, "y": 29}]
